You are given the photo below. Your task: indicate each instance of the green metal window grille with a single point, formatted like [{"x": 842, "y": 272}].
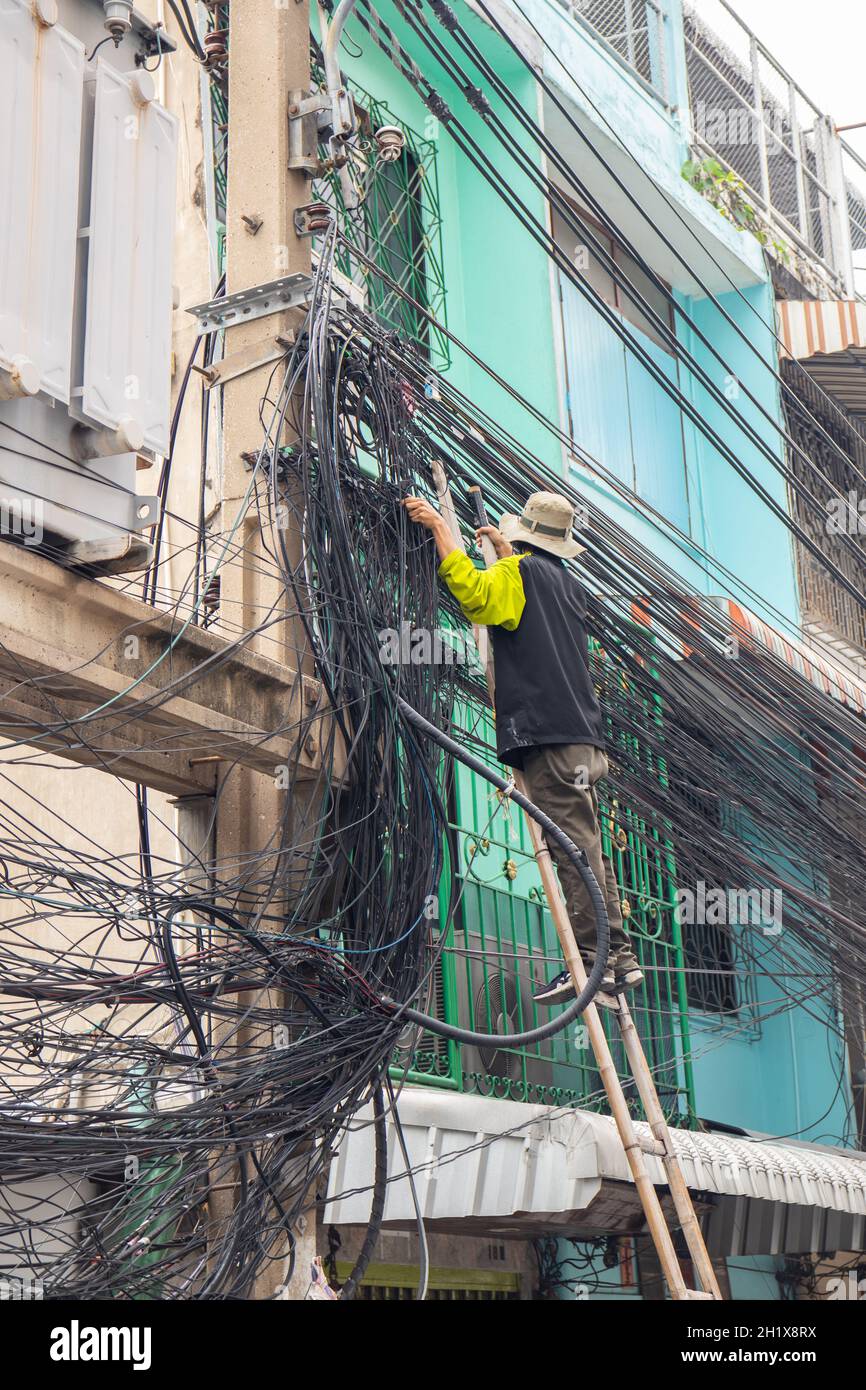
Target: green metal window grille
[
  {"x": 398, "y": 1283},
  {"x": 216, "y": 136},
  {"x": 501, "y": 945},
  {"x": 720, "y": 982},
  {"x": 219, "y": 125},
  {"x": 397, "y": 226}
]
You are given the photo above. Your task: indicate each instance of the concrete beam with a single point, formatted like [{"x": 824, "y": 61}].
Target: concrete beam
[{"x": 172, "y": 703}]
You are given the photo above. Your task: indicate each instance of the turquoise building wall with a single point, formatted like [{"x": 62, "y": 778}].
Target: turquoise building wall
[{"x": 785, "y": 1076}]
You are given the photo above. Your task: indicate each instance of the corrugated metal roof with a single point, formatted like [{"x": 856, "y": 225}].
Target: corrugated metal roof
[{"x": 515, "y": 1169}]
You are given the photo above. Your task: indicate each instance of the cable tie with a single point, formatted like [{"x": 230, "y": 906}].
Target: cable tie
[
  {"x": 477, "y": 100},
  {"x": 446, "y": 16}
]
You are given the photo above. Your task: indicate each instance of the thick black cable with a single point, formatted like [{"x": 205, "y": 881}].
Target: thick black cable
[
  {"x": 578, "y": 858},
  {"x": 380, "y": 1190}
]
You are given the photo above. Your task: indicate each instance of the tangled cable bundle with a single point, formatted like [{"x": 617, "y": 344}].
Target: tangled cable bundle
[
  {"x": 178, "y": 1065},
  {"x": 162, "y": 1050}
]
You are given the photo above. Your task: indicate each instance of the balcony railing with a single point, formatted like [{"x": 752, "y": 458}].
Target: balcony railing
[
  {"x": 635, "y": 30},
  {"x": 832, "y": 441},
  {"x": 854, "y": 170},
  {"x": 752, "y": 116}
]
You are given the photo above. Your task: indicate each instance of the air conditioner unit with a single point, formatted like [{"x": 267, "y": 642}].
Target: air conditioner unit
[
  {"x": 40, "y": 1229},
  {"x": 494, "y": 995},
  {"x": 418, "y": 1050}
]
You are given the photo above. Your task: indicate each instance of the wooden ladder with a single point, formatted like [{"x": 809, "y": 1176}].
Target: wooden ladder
[{"x": 636, "y": 1148}]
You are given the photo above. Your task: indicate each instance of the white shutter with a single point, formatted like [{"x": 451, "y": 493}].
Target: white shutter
[
  {"x": 127, "y": 342},
  {"x": 41, "y": 89}
]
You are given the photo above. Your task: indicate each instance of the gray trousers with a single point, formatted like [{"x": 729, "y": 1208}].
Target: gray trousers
[{"x": 560, "y": 778}]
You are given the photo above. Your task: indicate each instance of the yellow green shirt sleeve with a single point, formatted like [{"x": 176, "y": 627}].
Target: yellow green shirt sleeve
[{"x": 494, "y": 597}]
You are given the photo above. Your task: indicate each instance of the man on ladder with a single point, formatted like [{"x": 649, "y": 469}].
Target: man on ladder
[{"x": 548, "y": 719}]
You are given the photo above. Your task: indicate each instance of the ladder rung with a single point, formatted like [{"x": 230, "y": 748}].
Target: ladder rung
[
  {"x": 699, "y": 1294},
  {"x": 652, "y": 1146}
]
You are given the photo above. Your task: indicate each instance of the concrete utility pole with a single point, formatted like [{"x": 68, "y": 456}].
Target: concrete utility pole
[
  {"x": 102, "y": 679},
  {"x": 269, "y": 57}
]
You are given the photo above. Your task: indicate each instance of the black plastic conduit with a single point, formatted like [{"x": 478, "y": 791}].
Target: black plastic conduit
[{"x": 577, "y": 857}]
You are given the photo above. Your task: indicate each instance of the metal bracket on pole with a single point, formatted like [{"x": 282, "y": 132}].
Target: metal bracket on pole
[
  {"x": 310, "y": 120},
  {"x": 313, "y": 219},
  {"x": 247, "y": 360},
  {"x": 319, "y": 116},
  {"x": 289, "y": 292},
  {"x": 333, "y": 109}
]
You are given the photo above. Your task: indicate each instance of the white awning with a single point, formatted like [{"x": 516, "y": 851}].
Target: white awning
[
  {"x": 803, "y": 656},
  {"x": 505, "y": 1168}
]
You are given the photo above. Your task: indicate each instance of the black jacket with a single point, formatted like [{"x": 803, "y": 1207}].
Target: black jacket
[{"x": 544, "y": 691}]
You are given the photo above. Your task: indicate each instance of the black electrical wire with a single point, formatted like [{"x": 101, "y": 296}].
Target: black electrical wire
[
  {"x": 380, "y": 1190},
  {"x": 423, "y": 1250},
  {"x": 117, "y": 974},
  {"x": 187, "y": 26}
]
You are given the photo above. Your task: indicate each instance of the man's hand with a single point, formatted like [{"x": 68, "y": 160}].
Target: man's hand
[
  {"x": 422, "y": 512},
  {"x": 497, "y": 540},
  {"x": 425, "y": 515}
]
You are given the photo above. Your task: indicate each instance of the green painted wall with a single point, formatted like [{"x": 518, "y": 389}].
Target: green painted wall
[{"x": 499, "y": 301}]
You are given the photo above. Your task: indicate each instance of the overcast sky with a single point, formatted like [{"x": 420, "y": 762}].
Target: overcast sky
[{"x": 823, "y": 46}]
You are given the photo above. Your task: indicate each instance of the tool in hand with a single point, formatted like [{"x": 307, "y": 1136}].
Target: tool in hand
[{"x": 487, "y": 547}]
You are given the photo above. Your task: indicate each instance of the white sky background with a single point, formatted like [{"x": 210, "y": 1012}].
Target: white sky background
[{"x": 822, "y": 43}]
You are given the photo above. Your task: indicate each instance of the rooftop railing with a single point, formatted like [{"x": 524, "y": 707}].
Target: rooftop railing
[{"x": 750, "y": 114}]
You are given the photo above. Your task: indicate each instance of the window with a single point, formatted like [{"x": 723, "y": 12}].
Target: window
[
  {"x": 397, "y": 226},
  {"x": 619, "y": 413},
  {"x": 394, "y": 228},
  {"x": 567, "y": 235},
  {"x": 711, "y": 982},
  {"x": 708, "y": 948}
]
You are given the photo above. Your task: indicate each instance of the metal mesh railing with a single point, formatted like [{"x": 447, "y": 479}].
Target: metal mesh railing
[
  {"x": 635, "y": 30},
  {"x": 749, "y": 114},
  {"x": 854, "y": 172},
  {"x": 816, "y": 426}
]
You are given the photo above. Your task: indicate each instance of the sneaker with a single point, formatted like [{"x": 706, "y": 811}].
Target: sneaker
[
  {"x": 560, "y": 989},
  {"x": 627, "y": 972}
]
